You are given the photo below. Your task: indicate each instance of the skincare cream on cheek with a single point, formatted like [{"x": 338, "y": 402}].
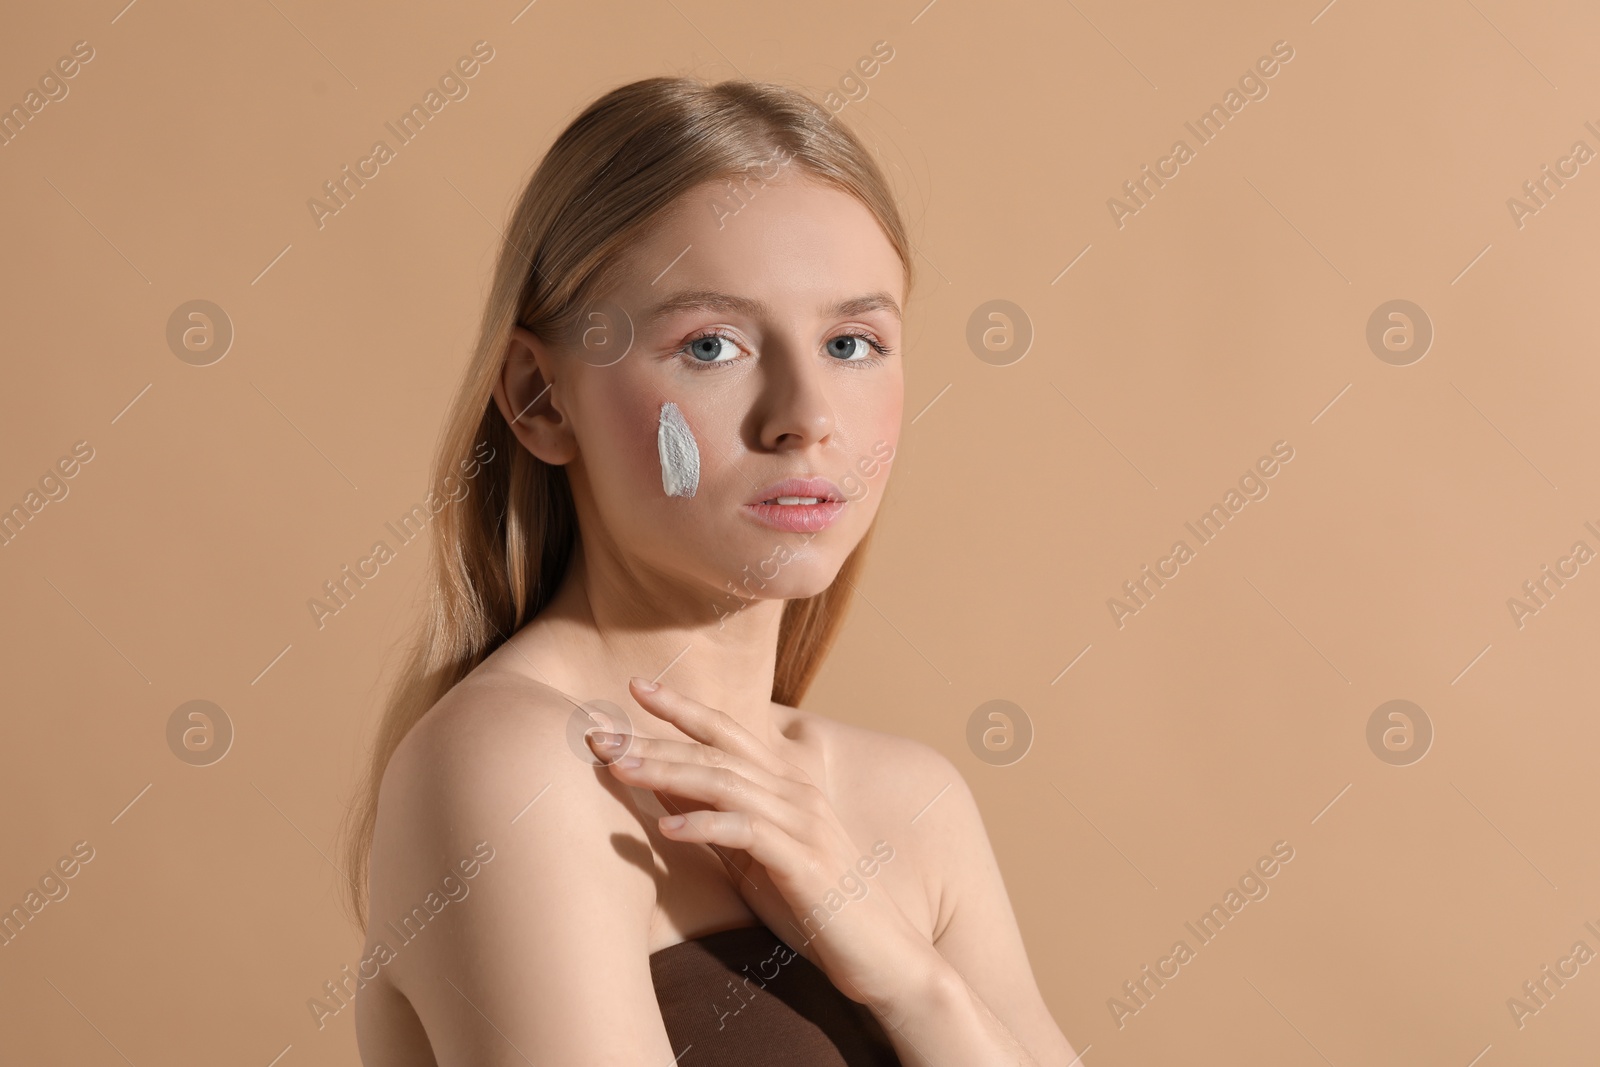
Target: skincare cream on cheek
[{"x": 680, "y": 455}]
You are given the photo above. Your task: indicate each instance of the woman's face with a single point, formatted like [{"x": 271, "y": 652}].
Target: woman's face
[{"x": 759, "y": 323}]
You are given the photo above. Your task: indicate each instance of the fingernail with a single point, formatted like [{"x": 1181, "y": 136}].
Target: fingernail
[
  {"x": 672, "y": 822},
  {"x": 602, "y": 739},
  {"x": 644, "y": 685}
]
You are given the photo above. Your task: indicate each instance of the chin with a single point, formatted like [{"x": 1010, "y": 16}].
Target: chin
[{"x": 772, "y": 577}]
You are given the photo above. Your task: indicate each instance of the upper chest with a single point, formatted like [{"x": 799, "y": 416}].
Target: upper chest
[{"x": 697, "y": 892}]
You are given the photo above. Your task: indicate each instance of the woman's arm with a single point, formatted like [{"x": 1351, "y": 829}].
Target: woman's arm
[
  {"x": 545, "y": 958},
  {"x": 982, "y": 1004},
  {"x": 946, "y": 1021}
]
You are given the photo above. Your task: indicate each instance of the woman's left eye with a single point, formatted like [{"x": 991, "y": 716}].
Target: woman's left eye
[{"x": 855, "y": 348}]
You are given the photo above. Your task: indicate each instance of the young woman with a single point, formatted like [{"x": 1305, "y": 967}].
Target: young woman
[{"x": 665, "y": 464}]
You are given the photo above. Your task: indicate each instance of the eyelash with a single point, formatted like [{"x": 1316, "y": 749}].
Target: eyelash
[{"x": 882, "y": 351}]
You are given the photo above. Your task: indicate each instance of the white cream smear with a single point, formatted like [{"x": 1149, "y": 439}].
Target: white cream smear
[{"x": 680, "y": 455}]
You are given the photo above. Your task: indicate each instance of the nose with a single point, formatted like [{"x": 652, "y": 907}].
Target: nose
[{"x": 794, "y": 410}]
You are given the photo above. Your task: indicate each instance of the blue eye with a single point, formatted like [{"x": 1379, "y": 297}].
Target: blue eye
[
  {"x": 704, "y": 350},
  {"x": 852, "y": 353}
]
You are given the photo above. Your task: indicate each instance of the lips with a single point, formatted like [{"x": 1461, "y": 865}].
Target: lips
[
  {"x": 808, "y": 505},
  {"x": 820, "y": 488}
]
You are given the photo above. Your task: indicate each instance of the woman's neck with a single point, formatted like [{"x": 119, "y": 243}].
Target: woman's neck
[{"x": 604, "y": 627}]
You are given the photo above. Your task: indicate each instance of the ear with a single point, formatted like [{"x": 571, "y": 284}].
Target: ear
[{"x": 526, "y": 396}]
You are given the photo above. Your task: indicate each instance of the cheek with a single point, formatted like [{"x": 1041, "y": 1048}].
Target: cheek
[
  {"x": 889, "y": 423},
  {"x": 660, "y": 456},
  {"x": 873, "y": 451},
  {"x": 619, "y": 446},
  {"x": 880, "y": 427},
  {"x": 879, "y": 404},
  {"x": 678, "y": 452}
]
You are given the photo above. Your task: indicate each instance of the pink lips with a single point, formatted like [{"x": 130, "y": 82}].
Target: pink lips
[{"x": 800, "y": 518}]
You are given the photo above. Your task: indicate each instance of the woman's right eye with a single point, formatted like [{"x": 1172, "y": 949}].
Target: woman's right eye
[{"x": 707, "y": 350}]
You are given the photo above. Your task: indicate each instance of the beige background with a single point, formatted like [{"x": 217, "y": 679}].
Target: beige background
[{"x": 1228, "y": 314}]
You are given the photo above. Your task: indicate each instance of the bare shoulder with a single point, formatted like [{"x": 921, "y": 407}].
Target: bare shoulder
[
  {"x": 908, "y": 794},
  {"x": 514, "y": 724},
  {"x": 484, "y": 760},
  {"x": 495, "y": 767},
  {"x": 496, "y": 849},
  {"x": 499, "y": 758},
  {"x": 887, "y": 769},
  {"x": 916, "y": 797}
]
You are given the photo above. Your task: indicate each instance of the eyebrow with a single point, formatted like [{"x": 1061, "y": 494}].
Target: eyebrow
[{"x": 711, "y": 300}]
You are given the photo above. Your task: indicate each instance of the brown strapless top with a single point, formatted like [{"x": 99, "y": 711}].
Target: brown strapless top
[{"x": 743, "y": 997}]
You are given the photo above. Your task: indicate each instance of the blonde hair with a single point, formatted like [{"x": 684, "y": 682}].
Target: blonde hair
[{"x": 500, "y": 552}]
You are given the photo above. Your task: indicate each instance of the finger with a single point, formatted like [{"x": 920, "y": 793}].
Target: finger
[
  {"x": 764, "y": 843},
  {"x": 709, "y": 726},
  {"x": 609, "y": 746},
  {"x": 723, "y": 789},
  {"x": 612, "y": 747}
]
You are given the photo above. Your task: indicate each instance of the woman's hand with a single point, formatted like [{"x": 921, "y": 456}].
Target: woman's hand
[{"x": 783, "y": 845}]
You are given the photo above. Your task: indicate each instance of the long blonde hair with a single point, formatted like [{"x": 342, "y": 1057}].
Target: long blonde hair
[{"x": 500, "y": 552}]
